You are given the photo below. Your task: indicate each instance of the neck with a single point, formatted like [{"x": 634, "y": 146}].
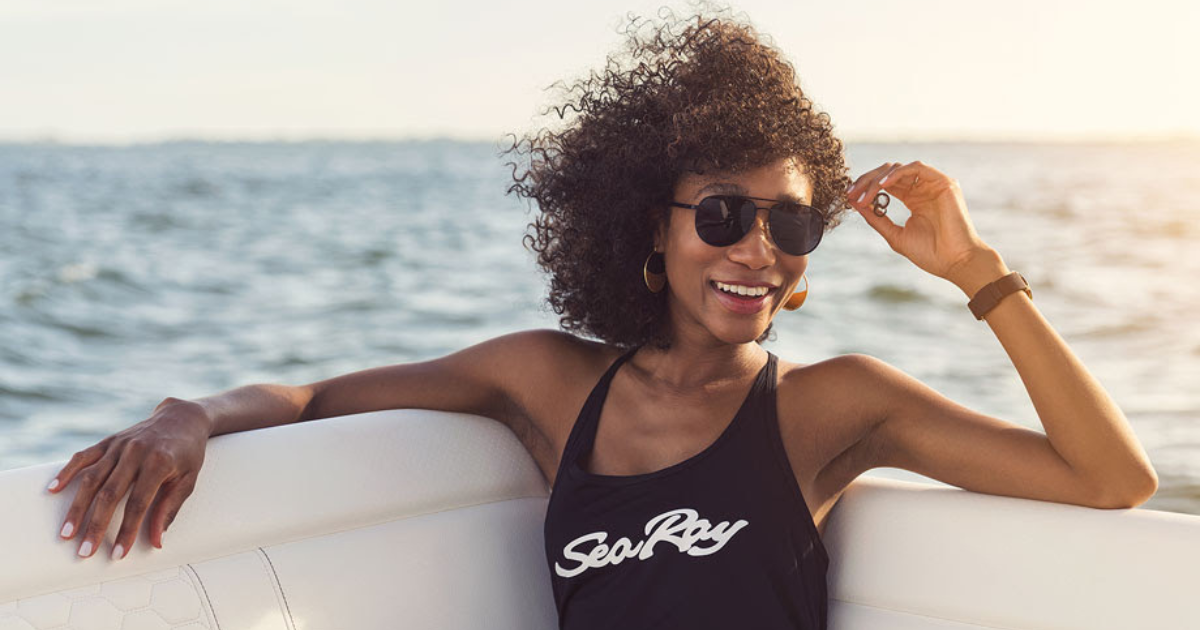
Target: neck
[{"x": 688, "y": 366}]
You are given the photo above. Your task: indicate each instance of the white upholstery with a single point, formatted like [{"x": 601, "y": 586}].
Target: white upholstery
[
  {"x": 909, "y": 556},
  {"x": 427, "y": 519},
  {"x": 362, "y": 521}
]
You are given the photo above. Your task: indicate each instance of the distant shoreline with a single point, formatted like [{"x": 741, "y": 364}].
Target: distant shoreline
[{"x": 1180, "y": 139}]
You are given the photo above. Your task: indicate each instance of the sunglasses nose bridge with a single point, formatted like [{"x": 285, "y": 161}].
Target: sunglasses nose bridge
[{"x": 762, "y": 218}]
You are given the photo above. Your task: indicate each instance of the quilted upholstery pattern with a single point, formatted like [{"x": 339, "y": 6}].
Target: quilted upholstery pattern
[{"x": 170, "y": 599}]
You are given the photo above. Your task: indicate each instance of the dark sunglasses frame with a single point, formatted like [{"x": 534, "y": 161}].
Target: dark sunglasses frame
[{"x": 720, "y": 231}]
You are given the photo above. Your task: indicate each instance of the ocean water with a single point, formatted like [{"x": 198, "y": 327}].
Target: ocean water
[{"x": 133, "y": 273}]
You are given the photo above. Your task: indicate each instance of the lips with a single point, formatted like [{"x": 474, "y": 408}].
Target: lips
[
  {"x": 747, "y": 283},
  {"x": 739, "y": 303}
]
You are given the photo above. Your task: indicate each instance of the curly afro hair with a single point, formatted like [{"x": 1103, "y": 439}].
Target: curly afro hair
[{"x": 712, "y": 98}]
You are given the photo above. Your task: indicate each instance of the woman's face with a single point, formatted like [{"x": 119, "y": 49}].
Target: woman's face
[{"x": 694, "y": 267}]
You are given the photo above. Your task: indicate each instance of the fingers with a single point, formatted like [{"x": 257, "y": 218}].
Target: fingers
[
  {"x": 902, "y": 178},
  {"x": 882, "y": 224},
  {"x": 78, "y": 461},
  {"x": 149, "y": 480},
  {"x": 914, "y": 178},
  {"x": 160, "y": 456},
  {"x": 174, "y": 493},
  {"x": 106, "y": 499},
  {"x": 858, "y": 195},
  {"x": 90, "y": 480},
  {"x": 862, "y": 195}
]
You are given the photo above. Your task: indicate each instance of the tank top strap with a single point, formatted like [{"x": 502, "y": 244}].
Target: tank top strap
[
  {"x": 589, "y": 413},
  {"x": 760, "y": 404},
  {"x": 764, "y": 388}
]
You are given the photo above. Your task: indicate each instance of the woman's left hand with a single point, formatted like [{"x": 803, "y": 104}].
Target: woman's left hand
[{"x": 938, "y": 236}]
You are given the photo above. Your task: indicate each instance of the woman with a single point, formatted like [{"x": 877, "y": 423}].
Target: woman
[{"x": 692, "y": 470}]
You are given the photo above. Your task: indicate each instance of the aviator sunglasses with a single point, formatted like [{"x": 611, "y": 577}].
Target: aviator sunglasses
[{"x": 723, "y": 220}]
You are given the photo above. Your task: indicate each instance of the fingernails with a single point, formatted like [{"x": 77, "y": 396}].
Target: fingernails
[
  {"x": 118, "y": 552},
  {"x": 885, "y": 178},
  {"x": 85, "y": 549},
  {"x": 860, "y": 197},
  {"x": 67, "y": 529},
  {"x": 850, "y": 186},
  {"x": 53, "y": 484}
]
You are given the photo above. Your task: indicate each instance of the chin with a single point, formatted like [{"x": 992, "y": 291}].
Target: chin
[{"x": 738, "y": 335}]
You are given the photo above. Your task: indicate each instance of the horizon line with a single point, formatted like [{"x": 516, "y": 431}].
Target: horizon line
[{"x": 383, "y": 138}]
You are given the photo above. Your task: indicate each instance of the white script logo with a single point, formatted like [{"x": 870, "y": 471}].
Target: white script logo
[{"x": 679, "y": 527}]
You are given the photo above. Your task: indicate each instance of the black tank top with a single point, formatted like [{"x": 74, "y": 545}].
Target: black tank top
[{"x": 723, "y": 539}]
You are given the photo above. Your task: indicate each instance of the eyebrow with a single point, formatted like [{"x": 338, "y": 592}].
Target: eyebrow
[{"x": 738, "y": 189}]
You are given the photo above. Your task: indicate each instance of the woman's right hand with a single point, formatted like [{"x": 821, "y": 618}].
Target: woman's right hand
[{"x": 159, "y": 456}]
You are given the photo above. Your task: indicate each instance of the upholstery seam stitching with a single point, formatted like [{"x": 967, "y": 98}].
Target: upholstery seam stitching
[
  {"x": 275, "y": 578},
  {"x": 191, "y": 571}
]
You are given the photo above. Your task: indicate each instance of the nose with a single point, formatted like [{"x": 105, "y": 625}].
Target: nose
[{"x": 755, "y": 249}]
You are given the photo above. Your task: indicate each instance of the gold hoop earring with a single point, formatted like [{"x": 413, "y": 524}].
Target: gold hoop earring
[
  {"x": 655, "y": 278},
  {"x": 797, "y": 298}
]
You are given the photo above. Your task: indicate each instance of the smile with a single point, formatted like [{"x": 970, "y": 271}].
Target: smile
[{"x": 743, "y": 304}]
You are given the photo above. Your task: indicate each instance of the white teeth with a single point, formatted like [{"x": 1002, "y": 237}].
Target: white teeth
[{"x": 742, "y": 289}]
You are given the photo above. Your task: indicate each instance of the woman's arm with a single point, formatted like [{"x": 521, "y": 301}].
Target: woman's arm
[
  {"x": 254, "y": 407},
  {"x": 488, "y": 379},
  {"x": 158, "y": 460},
  {"x": 1081, "y": 420},
  {"x": 1089, "y": 454},
  {"x": 483, "y": 379}
]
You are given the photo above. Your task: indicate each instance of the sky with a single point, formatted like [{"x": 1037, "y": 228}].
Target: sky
[{"x": 118, "y": 71}]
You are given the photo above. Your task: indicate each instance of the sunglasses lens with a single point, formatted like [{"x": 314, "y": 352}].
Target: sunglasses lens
[
  {"x": 797, "y": 230},
  {"x": 719, "y": 220},
  {"x": 723, "y": 220}
]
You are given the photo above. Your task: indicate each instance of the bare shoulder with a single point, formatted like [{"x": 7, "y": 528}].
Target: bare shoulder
[
  {"x": 552, "y": 373},
  {"x": 827, "y": 418},
  {"x": 546, "y": 360}
]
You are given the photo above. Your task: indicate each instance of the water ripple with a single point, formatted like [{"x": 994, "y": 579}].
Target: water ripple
[
  {"x": 132, "y": 273},
  {"x": 892, "y": 294}
]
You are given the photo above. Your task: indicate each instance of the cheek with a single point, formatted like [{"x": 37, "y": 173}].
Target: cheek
[
  {"x": 798, "y": 270},
  {"x": 689, "y": 259}
]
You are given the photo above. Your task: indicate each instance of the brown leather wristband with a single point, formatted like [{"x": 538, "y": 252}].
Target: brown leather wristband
[{"x": 989, "y": 296}]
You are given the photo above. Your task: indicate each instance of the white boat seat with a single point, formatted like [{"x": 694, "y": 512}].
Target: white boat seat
[{"x": 427, "y": 519}]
